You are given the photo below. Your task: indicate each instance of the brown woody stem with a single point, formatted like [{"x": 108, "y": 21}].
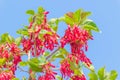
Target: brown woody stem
[
  {"x": 52, "y": 53},
  {"x": 22, "y": 69}
]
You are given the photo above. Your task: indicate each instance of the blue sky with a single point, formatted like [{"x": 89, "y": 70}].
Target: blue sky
[{"x": 104, "y": 50}]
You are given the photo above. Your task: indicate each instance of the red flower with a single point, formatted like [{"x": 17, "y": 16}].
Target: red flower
[
  {"x": 82, "y": 77},
  {"x": 84, "y": 59},
  {"x": 5, "y": 54},
  {"x": 45, "y": 16},
  {"x": 73, "y": 58},
  {"x": 13, "y": 68},
  {"x": 65, "y": 69},
  {"x": 31, "y": 23},
  {"x": 17, "y": 59},
  {"x": 27, "y": 44},
  {"x": 38, "y": 46},
  {"x": 14, "y": 48},
  {"x": 49, "y": 74},
  {"x": 6, "y": 76},
  {"x": 50, "y": 41}
]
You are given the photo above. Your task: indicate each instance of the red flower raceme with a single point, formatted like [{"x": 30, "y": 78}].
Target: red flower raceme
[
  {"x": 10, "y": 53},
  {"x": 27, "y": 44},
  {"x": 65, "y": 69},
  {"x": 50, "y": 41},
  {"x": 80, "y": 57},
  {"x": 84, "y": 59},
  {"x": 77, "y": 38},
  {"x": 49, "y": 74},
  {"x": 37, "y": 46},
  {"x": 41, "y": 37}
]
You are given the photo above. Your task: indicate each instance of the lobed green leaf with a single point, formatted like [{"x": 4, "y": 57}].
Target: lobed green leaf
[{"x": 93, "y": 76}]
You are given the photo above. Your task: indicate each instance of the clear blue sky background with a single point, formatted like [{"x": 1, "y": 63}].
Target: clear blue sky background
[{"x": 104, "y": 50}]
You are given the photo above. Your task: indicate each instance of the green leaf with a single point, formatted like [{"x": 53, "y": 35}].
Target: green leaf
[
  {"x": 15, "y": 79},
  {"x": 34, "y": 66},
  {"x": 42, "y": 60},
  {"x": 30, "y": 12},
  {"x": 61, "y": 19},
  {"x": 35, "y": 60},
  {"x": 23, "y": 32},
  {"x": 55, "y": 28},
  {"x": 113, "y": 75},
  {"x": 30, "y": 19},
  {"x": 92, "y": 76},
  {"x": 6, "y": 38},
  {"x": 59, "y": 56},
  {"x": 69, "y": 20},
  {"x": 77, "y": 15},
  {"x": 23, "y": 63},
  {"x": 91, "y": 67},
  {"x": 54, "y": 24},
  {"x": 63, "y": 51},
  {"x": 9, "y": 39},
  {"x": 41, "y": 10},
  {"x": 76, "y": 72},
  {"x": 24, "y": 78},
  {"x": 72, "y": 66},
  {"x": 18, "y": 40},
  {"x": 2, "y": 61},
  {"x": 91, "y": 26},
  {"x": 101, "y": 73},
  {"x": 45, "y": 32},
  {"x": 53, "y": 20},
  {"x": 84, "y": 16},
  {"x": 58, "y": 77},
  {"x": 46, "y": 53}
]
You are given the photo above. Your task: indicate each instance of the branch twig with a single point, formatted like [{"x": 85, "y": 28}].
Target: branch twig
[
  {"x": 52, "y": 53},
  {"x": 22, "y": 69}
]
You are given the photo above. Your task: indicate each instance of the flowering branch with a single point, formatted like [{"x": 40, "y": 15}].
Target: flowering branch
[{"x": 41, "y": 36}]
